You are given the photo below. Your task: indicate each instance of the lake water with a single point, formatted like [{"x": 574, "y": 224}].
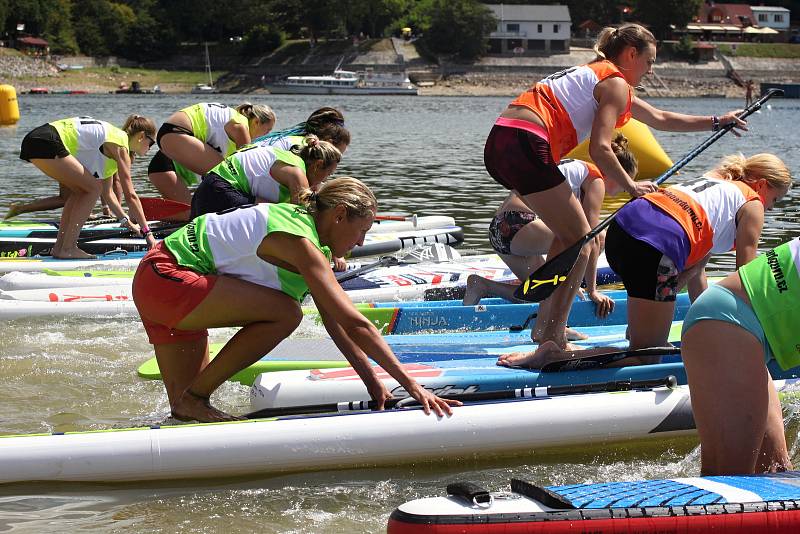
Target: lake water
[{"x": 420, "y": 155}]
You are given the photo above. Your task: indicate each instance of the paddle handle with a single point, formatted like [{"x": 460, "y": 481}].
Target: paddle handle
[{"x": 522, "y": 393}]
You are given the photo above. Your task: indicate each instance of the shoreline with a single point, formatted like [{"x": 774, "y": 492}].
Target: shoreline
[{"x": 471, "y": 84}]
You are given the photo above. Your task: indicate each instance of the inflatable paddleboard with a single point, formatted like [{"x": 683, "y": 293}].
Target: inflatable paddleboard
[
  {"x": 363, "y": 439},
  {"x": 92, "y": 228},
  {"x": 374, "y": 243},
  {"x": 745, "y": 503}
]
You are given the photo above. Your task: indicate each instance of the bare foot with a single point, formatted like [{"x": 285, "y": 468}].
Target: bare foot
[
  {"x": 574, "y": 335},
  {"x": 546, "y": 353},
  {"x": 193, "y": 407},
  {"x": 571, "y": 335},
  {"x": 13, "y": 211},
  {"x": 73, "y": 254},
  {"x": 476, "y": 290}
]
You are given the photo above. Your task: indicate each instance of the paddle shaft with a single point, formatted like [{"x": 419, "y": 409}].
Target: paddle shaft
[
  {"x": 384, "y": 261},
  {"x": 542, "y": 283},
  {"x": 576, "y": 362},
  {"x": 752, "y": 108},
  {"x": 523, "y": 393},
  {"x": 37, "y": 248}
]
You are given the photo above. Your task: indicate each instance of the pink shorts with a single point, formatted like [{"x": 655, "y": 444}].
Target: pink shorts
[{"x": 165, "y": 292}]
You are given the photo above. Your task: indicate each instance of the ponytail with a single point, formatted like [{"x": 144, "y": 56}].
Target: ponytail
[
  {"x": 137, "y": 123},
  {"x": 612, "y": 41},
  {"x": 345, "y": 191},
  {"x": 315, "y": 150},
  {"x": 749, "y": 170},
  {"x": 260, "y": 112},
  {"x": 626, "y": 158}
]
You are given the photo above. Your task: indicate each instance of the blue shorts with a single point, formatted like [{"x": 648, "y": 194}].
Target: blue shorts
[{"x": 719, "y": 303}]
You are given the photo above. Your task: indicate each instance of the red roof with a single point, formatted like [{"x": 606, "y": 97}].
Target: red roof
[
  {"x": 33, "y": 41},
  {"x": 736, "y": 14}
]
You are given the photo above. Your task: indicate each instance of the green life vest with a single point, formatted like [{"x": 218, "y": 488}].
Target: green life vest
[{"x": 772, "y": 283}]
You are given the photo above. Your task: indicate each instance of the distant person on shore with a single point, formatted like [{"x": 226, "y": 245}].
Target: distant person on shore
[
  {"x": 83, "y": 154},
  {"x": 196, "y": 138},
  {"x": 729, "y": 334},
  {"x": 749, "y": 87},
  {"x": 251, "y": 268},
  {"x": 326, "y": 123},
  {"x": 543, "y": 124},
  {"x": 521, "y": 239}
]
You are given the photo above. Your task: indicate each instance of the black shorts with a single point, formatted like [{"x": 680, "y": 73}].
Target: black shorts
[
  {"x": 520, "y": 160},
  {"x": 168, "y": 128},
  {"x": 217, "y": 194},
  {"x": 160, "y": 163},
  {"x": 505, "y": 226},
  {"x": 645, "y": 271},
  {"x": 43, "y": 142}
]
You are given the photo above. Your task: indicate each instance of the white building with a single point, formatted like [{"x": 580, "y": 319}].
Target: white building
[
  {"x": 776, "y": 18},
  {"x": 530, "y": 29}
]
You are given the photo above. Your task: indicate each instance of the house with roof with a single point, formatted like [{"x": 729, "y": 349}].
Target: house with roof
[
  {"x": 530, "y": 29},
  {"x": 773, "y": 17},
  {"x": 739, "y": 22}
]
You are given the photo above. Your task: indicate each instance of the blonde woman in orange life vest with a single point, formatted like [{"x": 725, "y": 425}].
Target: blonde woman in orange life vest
[{"x": 544, "y": 123}]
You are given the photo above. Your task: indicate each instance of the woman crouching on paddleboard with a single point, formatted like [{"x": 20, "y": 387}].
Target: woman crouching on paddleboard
[
  {"x": 83, "y": 154},
  {"x": 195, "y": 139},
  {"x": 546, "y": 122},
  {"x": 521, "y": 239},
  {"x": 262, "y": 173},
  {"x": 661, "y": 242},
  {"x": 730, "y": 332},
  {"x": 251, "y": 267}
]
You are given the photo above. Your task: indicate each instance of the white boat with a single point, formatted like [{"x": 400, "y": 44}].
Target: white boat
[
  {"x": 202, "y": 88},
  {"x": 345, "y": 82}
]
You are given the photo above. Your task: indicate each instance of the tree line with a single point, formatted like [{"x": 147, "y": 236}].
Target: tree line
[{"x": 144, "y": 29}]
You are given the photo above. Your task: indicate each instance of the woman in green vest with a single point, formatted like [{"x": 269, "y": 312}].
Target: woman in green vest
[
  {"x": 251, "y": 267},
  {"x": 733, "y": 328},
  {"x": 83, "y": 154},
  {"x": 195, "y": 139}
]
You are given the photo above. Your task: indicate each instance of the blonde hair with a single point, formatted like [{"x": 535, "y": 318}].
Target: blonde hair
[
  {"x": 345, "y": 191},
  {"x": 137, "y": 123},
  {"x": 626, "y": 158},
  {"x": 261, "y": 112},
  {"x": 749, "y": 170},
  {"x": 612, "y": 41},
  {"x": 315, "y": 150}
]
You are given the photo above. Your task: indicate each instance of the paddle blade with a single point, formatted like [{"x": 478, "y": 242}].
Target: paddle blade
[
  {"x": 162, "y": 209},
  {"x": 547, "y": 278}
]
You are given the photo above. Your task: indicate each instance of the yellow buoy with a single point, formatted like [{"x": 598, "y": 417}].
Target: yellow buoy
[
  {"x": 653, "y": 161},
  {"x": 9, "y": 108}
]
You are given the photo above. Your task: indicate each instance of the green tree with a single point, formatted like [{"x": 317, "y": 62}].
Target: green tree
[
  {"x": 458, "y": 27},
  {"x": 660, "y": 14},
  {"x": 59, "y": 31},
  {"x": 262, "y": 39},
  {"x": 150, "y": 37}
]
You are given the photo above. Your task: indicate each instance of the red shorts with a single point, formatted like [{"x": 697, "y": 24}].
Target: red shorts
[{"x": 165, "y": 292}]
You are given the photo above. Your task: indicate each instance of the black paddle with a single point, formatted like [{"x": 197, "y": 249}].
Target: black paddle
[
  {"x": 546, "y": 279},
  {"x": 437, "y": 252},
  {"x": 522, "y": 393},
  {"x": 579, "y": 363},
  {"x": 37, "y": 248}
]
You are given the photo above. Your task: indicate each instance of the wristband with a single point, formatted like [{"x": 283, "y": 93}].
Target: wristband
[
  {"x": 145, "y": 230},
  {"x": 715, "y": 124},
  {"x": 122, "y": 220}
]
